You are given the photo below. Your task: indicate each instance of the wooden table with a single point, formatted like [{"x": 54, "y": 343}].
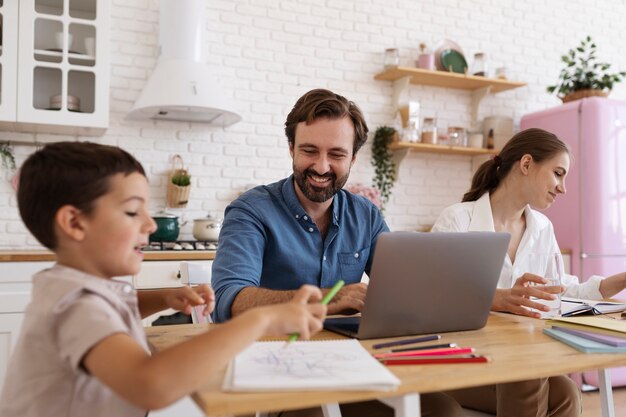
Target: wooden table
[{"x": 516, "y": 346}]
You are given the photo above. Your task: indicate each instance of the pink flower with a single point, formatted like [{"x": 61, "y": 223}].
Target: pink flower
[{"x": 371, "y": 193}]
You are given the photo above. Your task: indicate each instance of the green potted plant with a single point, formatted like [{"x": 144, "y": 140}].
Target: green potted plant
[
  {"x": 181, "y": 178},
  {"x": 7, "y": 156},
  {"x": 583, "y": 76},
  {"x": 382, "y": 160}
]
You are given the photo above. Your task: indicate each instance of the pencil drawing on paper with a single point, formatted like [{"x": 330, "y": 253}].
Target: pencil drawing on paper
[
  {"x": 300, "y": 360},
  {"x": 328, "y": 364}
]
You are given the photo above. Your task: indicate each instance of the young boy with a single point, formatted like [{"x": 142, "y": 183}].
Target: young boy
[{"x": 82, "y": 350}]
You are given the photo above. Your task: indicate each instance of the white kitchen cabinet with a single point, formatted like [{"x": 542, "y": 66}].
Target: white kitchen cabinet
[
  {"x": 15, "y": 290},
  {"x": 168, "y": 274},
  {"x": 61, "y": 47}
]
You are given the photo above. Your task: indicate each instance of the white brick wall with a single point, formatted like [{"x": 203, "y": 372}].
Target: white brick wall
[{"x": 269, "y": 52}]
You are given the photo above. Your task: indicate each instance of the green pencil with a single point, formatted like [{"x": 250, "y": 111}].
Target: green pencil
[{"x": 329, "y": 296}]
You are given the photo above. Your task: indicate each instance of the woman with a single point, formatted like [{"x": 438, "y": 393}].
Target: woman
[{"x": 529, "y": 172}]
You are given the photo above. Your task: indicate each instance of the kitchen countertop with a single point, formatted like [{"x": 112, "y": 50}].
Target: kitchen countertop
[{"x": 166, "y": 255}]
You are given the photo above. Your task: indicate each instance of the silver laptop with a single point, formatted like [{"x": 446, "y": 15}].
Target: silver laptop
[{"x": 428, "y": 283}]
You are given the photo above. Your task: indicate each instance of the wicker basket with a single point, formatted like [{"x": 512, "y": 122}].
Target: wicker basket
[
  {"x": 177, "y": 196},
  {"x": 577, "y": 95}
]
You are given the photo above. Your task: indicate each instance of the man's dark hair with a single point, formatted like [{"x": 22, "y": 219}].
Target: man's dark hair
[
  {"x": 62, "y": 173},
  {"x": 319, "y": 104}
]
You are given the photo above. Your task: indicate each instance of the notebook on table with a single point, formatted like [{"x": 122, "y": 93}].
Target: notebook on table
[
  {"x": 428, "y": 283},
  {"x": 575, "y": 306}
]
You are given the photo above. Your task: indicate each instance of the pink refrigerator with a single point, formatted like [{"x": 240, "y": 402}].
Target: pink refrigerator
[{"x": 590, "y": 219}]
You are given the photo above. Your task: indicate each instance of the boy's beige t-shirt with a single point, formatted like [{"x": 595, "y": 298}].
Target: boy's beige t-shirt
[{"x": 69, "y": 313}]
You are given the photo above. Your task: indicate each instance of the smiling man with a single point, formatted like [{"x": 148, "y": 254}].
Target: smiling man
[{"x": 304, "y": 229}]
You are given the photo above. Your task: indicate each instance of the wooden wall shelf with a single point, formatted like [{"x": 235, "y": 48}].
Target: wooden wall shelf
[
  {"x": 441, "y": 149},
  {"x": 447, "y": 79}
]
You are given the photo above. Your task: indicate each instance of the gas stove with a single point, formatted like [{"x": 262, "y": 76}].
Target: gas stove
[{"x": 181, "y": 245}]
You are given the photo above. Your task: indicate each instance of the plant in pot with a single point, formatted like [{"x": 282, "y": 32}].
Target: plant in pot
[
  {"x": 179, "y": 185},
  {"x": 181, "y": 179},
  {"x": 382, "y": 161},
  {"x": 583, "y": 76},
  {"x": 7, "y": 156}
]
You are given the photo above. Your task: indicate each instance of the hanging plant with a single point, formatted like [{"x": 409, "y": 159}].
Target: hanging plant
[
  {"x": 382, "y": 160},
  {"x": 7, "y": 156}
]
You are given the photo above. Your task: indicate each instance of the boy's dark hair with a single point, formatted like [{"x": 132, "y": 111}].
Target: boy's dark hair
[
  {"x": 74, "y": 173},
  {"x": 319, "y": 104}
]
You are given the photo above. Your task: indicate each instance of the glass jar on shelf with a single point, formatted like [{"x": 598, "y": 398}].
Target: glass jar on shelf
[
  {"x": 456, "y": 136},
  {"x": 392, "y": 58},
  {"x": 479, "y": 66},
  {"x": 429, "y": 130}
]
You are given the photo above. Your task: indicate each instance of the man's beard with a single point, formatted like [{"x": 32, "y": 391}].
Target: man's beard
[{"x": 316, "y": 194}]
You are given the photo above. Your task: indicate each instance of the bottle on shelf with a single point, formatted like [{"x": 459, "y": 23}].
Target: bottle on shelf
[
  {"x": 426, "y": 59},
  {"x": 490, "y": 140},
  {"x": 410, "y": 121}
]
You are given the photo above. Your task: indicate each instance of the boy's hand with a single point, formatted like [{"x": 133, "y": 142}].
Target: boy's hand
[
  {"x": 304, "y": 314},
  {"x": 184, "y": 299}
]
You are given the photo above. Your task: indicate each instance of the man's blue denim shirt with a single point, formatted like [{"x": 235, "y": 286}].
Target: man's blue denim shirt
[{"x": 268, "y": 240}]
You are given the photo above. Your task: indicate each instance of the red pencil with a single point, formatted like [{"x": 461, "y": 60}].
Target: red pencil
[
  {"x": 436, "y": 360},
  {"x": 431, "y": 352}
]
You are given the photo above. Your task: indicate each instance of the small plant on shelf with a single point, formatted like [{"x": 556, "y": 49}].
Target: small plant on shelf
[
  {"x": 382, "y": 160},
  {"x": 583, "y": 75}
]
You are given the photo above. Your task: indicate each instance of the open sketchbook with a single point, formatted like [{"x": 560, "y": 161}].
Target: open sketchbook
[
  {"x": 576, "y": 306},
  {"x": 305, "y": 366}
]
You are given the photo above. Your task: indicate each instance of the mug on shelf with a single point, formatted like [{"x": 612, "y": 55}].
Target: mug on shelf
[
  {"x": 58, "y": 40},
  {"x": 90, "y": 46}
]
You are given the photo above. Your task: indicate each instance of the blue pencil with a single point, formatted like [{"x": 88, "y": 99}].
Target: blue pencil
[{"x": 407, "y": 341}]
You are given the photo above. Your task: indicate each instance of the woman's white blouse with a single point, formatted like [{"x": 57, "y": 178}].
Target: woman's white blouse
[{"x": 475, "y": 216}]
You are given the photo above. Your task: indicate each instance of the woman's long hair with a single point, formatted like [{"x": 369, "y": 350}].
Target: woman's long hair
[{"x": 538, "y": 143}]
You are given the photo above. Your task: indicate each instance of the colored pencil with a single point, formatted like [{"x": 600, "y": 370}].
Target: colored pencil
[
  {"x": 436, "y": 360},
  {"x": 329, "y": 296},
  {"x": 407, "y": 341},
  {"x": 432, "y": 352}
]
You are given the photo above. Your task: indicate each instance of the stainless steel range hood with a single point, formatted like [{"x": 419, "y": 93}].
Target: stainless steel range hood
[{"x": 181, "y": 87}]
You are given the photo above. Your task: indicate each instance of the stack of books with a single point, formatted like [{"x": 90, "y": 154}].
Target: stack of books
[{"x": 589, "y": 334}]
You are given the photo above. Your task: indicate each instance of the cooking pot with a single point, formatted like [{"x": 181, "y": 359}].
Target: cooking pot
[
  {"x": 168, "y": 227},
  {"x": 207, "y": 228}
]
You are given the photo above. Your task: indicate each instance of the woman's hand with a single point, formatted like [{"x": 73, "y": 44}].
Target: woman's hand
[
  {"x": 517, "y": 299},
  {"x": 184, "y": 299}
]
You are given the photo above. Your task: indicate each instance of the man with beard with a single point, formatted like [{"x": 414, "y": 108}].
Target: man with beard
[{"x": 305, "y": 229}]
